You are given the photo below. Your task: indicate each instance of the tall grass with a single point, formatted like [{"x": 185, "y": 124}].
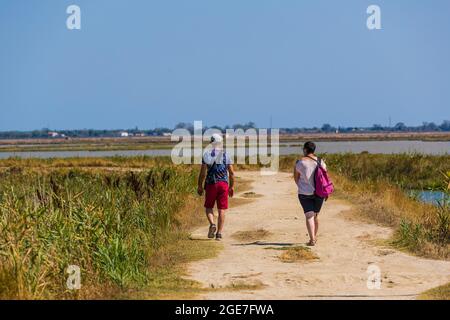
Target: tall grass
[
  {"x": 140, "y": 162},
  {"x": 408, "y": 171},
  {"x": 412, "y": 234},
  {"x": 107, "y": 223}
]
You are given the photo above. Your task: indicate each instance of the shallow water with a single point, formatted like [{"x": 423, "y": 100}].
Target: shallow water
[
  {"x": 383, "y": 147},
  {"x": 433, "y": 197}
]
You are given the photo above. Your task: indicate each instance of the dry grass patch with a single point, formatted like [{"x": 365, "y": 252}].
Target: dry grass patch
[
  {"x": 296, "y": 254},
  {"x": 357, "y": 215},
  {"x": 251, "y": 195},
  {"x": 242, "y": 285},
  {"x": 439, "y": 293},
  {"x": 236, "y": 202},
  {"x": 251, "y": 235}
]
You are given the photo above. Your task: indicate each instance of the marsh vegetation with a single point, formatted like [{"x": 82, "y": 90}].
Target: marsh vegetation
[{"x": 125, "y": 221}]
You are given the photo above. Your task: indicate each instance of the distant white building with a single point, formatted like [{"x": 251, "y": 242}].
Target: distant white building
[
  {"x": 53, "y": 134},
  {"x": 124, "y": 134}
]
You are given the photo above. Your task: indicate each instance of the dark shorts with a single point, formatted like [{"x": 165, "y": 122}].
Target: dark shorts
[
  {"x": 310, "y": 203},
  {"x": 217, "y": 192}
]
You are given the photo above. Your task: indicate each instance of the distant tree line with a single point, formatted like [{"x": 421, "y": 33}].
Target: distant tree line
[
  {"x": 82, "y": 133},
  {"x": 399, "y": 127},
  {"x": 326, "y": 128}
]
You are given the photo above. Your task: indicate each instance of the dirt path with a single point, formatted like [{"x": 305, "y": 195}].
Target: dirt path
[{"x": 343, "y": 248}]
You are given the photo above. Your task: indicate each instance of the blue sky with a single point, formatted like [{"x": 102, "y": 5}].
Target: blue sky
[{"x": 150, "y": 63}]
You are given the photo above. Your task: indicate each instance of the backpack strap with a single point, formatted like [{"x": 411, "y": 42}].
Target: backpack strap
[
  {"x": 225, "y": 158},
  {"x": 319, "y": 164},
  {"x": 318, "y": 161}
]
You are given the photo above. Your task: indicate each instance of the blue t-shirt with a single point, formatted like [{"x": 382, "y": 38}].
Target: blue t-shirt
[{"x": 217, "y": 162}]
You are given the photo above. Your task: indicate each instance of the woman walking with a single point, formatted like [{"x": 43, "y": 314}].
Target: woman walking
[{"x": 304, "y": 176}]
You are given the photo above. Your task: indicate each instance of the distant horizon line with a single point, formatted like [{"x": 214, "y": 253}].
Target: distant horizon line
[
  {"x": 399, "y": 126},
  {"x": 249, "y": 124}
]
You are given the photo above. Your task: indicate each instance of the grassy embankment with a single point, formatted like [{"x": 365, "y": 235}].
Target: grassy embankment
[{"x": 128, "y": 231}]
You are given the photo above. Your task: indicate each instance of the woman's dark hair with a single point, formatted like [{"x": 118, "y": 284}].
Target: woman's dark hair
[{"x": 309, "y": 147}]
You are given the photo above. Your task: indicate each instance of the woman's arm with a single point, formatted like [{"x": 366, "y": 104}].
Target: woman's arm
[{"x": 296, "y": 175}]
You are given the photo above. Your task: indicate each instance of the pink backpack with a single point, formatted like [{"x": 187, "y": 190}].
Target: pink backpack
[{"x": 322, "y": 183}]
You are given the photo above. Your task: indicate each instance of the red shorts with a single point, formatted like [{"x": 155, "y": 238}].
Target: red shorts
[{"x": 216, "y": 192}]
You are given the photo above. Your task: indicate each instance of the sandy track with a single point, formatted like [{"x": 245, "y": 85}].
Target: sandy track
[{"x": 343, "y": 248}]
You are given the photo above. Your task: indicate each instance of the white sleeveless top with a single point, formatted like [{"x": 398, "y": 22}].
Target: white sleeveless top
[{"x": 306, "y": 168}]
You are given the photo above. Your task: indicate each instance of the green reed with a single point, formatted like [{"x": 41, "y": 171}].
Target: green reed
[{"x": 107, "y": 223}]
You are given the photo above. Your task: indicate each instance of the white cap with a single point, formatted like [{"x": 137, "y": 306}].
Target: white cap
[{"x": 216, "y": 138}]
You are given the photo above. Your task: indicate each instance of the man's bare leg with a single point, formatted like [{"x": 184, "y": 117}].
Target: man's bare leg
[
  {"x": 210, "y": 215},
  {"x": 221, "y": 220},
  {"x": 212, "y": 226}
]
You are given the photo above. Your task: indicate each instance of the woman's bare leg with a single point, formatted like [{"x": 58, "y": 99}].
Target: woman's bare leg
[
  {"x": 310, "y": 225},
  {"x": 316, "y": 225}
]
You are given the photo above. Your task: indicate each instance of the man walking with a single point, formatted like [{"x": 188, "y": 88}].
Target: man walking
[{"x": 216, "y": 178}]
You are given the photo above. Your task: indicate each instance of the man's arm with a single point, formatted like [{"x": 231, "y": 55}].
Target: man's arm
[
  {"x": 231, "y": 177},
  {"x": 201, "y": 179}
]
